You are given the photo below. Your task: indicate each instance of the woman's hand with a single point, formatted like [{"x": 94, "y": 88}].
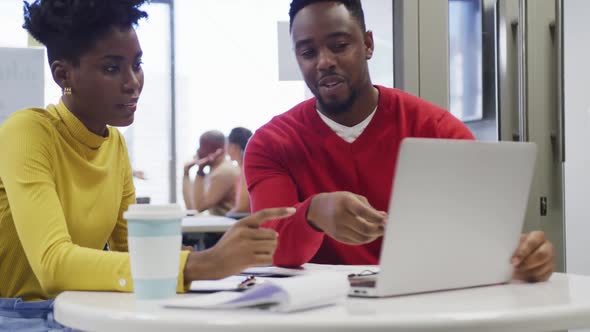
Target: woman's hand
[{"x": 242, "y": 246}]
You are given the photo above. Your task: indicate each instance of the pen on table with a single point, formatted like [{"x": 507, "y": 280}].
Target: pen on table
[{"x": 247, "y": 283}]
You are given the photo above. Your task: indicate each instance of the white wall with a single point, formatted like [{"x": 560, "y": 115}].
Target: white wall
[
  {"x": 21, "y": 70},
  {"x": 21, "y": 79},
  {"x": 577, "y": 129},
  {"x": 11, "y": 20}
]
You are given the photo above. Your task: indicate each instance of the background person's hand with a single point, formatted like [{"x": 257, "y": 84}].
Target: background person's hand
[
  {"x": 534, "y": 259},
  {"x": 188, "y": 165},
  {"x": 202, "y": 162},
  {"x": 346, "y": 217},
  {"x": 209, "y": 159},
  {"x": 244, "y": 245}
]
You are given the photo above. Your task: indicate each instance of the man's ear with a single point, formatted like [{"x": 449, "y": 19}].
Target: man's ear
[
  {"x": 61, "y": 72},
  {"x": 369, "y": 45}
]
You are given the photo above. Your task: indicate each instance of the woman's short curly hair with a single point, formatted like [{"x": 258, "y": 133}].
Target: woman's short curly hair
[{"x": 69, "y": 28}]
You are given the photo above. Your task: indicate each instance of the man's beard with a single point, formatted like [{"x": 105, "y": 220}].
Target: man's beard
[{"x": 335, "y": 108}]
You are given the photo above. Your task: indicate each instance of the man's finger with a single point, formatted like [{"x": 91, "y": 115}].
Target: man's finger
[
  {"x": 544, "y": 276},
  {"x": 348, "y": 238},
  {"x": 539, "y": 257},
  {"x": 362, "y": 199},
  {"x": 256, "y": 219},
  {"x": 352, "y": 235},
  {"x": 369, "y": 230},
  {"x": 366, "y": 212},
  {"x": 541, "y": 273},
  {"x": 527, "y": 246}
]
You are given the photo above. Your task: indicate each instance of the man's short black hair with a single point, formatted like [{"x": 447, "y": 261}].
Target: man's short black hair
[
  {"x": 69, "y": 28},
  {"x": 240, "y": 137},
  {"x": 354, "y": 7}
]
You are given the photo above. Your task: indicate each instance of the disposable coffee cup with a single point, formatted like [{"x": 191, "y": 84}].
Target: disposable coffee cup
[{"x": 155, "y": 238}]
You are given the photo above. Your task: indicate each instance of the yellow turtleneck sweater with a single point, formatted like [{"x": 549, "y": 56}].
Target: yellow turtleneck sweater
[{"x": 63, "y": 191}]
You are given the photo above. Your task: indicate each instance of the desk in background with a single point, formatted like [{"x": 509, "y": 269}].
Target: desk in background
[
  {"x": 560, "y": 304},
  {"x": 194, "y": 229},
  {"x": 206, "y": 224}
]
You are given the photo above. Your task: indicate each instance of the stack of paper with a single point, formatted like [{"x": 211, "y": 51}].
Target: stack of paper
[
  {"x": 282, "y": 294},
  {"x": 273, "y": 271},
  {"x": 230, "y": 283}
]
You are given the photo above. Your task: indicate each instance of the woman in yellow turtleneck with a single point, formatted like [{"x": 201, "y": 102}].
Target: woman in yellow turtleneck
[{"x": 65, "y": 177}]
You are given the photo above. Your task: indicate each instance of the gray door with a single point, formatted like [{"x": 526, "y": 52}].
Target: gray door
[
  {"x": 529, "y": 107},
  {"x": 503, "y": 83}
]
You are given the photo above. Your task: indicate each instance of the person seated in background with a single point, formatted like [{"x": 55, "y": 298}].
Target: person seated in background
[
  {"x": 333, "y": 157},
  {"x": 66, "y": 179},
  {"x": 213, "y": 190},
  {"x": 236, "y": 145}
]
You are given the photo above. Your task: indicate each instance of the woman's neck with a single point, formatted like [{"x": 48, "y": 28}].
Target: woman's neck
[{"x": 99, "y": 129}]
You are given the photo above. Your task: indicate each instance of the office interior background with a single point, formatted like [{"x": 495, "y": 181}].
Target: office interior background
[{"x": 510, "y": 69}]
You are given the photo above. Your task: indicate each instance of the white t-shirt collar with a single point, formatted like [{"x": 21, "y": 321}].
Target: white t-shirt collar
[{"x": 349, "y": 134}]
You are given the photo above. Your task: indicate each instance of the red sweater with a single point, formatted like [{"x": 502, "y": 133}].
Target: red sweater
[{"x": 296, "y": 156}]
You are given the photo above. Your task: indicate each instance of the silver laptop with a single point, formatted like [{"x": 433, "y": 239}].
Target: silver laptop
[{"x": 455, "y": 216}]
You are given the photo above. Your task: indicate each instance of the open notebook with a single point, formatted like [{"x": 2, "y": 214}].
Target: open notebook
[{"x": 276, "y": 294}]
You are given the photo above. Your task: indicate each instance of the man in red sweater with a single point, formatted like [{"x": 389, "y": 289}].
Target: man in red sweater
[{"x": 333, "y": 157}]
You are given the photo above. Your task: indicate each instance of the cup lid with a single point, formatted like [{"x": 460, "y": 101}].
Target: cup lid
[{"x": 154, "y": 211}]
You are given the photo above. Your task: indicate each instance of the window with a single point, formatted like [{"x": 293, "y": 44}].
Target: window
[
  {"x": 11, "y": 21},
  {"x": 148, "y": 138},
  {"x": 465, "y": 57}
]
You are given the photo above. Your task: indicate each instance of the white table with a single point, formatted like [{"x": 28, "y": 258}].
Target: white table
[
  {"x": 560, "y": 304},
  {"x": 206, "y": 224}
]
